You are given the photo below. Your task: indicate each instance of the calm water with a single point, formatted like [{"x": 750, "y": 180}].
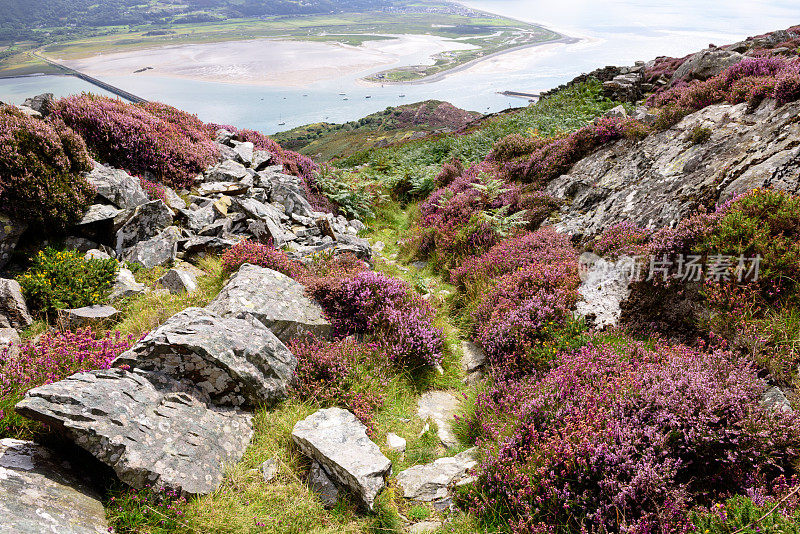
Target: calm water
[{"x": 617, "y": 32}]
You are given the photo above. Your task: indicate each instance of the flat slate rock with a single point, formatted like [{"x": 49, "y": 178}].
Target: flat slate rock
[
  {"x": 40, "y": 493},
  {"x": 433, "y": 481},
  {"x": 233, "y": 361},
  {"x": 143, "y": 427},
  {"x": 117, "y": 186},
  {"x": 273, "y": 298},
  {"x": 338, "y": 441},
  {"x": 441, "y": 407},
  {"x": 96, "y": 315}
]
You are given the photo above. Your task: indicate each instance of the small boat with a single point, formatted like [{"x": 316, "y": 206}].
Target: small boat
[
  {"x": 402, "y": 96},
  {"x": 281, "y": 124},
  {"x": 345, "y": 98},
  {"x": 342, "y": 94},
  {"x": 368, "y": 96}
]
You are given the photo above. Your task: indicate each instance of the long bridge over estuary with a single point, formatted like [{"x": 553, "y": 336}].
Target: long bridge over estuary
[{"x": 94, "y": 81}]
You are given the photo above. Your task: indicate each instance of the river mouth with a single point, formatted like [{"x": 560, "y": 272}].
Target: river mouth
[{"x": 269, "y": 62}]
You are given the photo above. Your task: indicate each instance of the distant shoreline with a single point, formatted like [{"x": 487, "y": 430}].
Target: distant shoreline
[{"x": 458, "y": 68}]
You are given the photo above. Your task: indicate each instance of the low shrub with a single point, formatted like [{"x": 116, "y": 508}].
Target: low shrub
[
  {"x": 153, "y": 190},
  {"x": 344, "y": 373},
  {"x": 745, "y": 515},
  {"x": 171, "y": 144},
  {"x": 699, "y": 135},
  {"x": 52, "y": 357},
  {"x": 385, "y": 310},
  {"x": 627, "y": 438},
  {"x": 624, "y": 238},
  {"x": 263, "y": 256},
  {"x": 158, "y": 510},
  {"x": 353, "y": 195},
  {"x": 40, "y": 171},
  {"x": 64, "y": 279}
]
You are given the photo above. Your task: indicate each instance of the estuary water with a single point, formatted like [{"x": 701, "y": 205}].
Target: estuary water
[{"x": 616, "y": 32}]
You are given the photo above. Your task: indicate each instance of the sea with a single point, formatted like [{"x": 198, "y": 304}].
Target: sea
[{"x": 617, "y": 32}]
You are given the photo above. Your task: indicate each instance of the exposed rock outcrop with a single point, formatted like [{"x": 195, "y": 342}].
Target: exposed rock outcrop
[
  {"x": 434, "y": 481},
  {"x": 13, "y": 310},
  {"x": 117, "y": 186},
  {"x": 664, "y": 178}
]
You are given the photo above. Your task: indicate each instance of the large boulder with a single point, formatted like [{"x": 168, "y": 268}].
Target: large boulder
[
  {"x": 234, "y": 362},
  {"x": 42, "y": 103},
  {"x": 40, "y": 492},
  {"x": 13, "y": 310},
  {"x": 178, "y": 281},
  {"x": 145, "y": 222},
  {"x": 117, "y": 186},
  {"x": 157, "y": 250},
  {"x": 244, "y": 152},
  {"x": 272, "y": 298},
  {"x": 706, "y": 64},
  {"x": 338, "y": 441},
  {"x": 226, "y": 171},
  {"x": 10, "y": 232},
  {"x": 144, "y": 427},
  {"x": 434, "y": 481}
]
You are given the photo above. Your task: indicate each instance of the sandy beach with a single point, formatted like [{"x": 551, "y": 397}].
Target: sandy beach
[{"x": 268, "y": 62}]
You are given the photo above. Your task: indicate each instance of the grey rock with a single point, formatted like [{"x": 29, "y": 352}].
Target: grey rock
[
  {"x": 395, "y": 443},
  {"x": 288, "y": 191},
  {"x": 272, "y": 298},
  {"x": 235, "y": 362},
  {"x": 158, "y": 250},
  {"x": 146, "y": 221},
  {"x": 254, "y": 209},
  {"x": 224, "y": 136},
  {"x": 96, "y": 254},
  {"x": 177, "y": 281},
  {"x": 244, "y": 152},
  {"x": 605, "y": 285},
  {"x": 441, "y": 407},
  {"x": 91, "y": 316},
  {"x": 144, "y": 428},
  {"x": 434, "y": 481},
  {"x": 80, "y": 244},
  {"x": 774, "y": 399},
  {"x": 29, "y": 111},
  {"x": 663, "y": 179},
  {"x": 9, "y": 344},
  {"x": 222, "y": 188},
  {"x": 13, "y": 310},
  {"x": 261, "y": 159},
  {"x": 40, "y": 492},
  {"x": 10, "y": 232},
  {"x": 706, "y": 64},
  {"x": 354, "y": 245},
  {"x": 319, "y": 481},
  {"x": 117, "y": 186},
  {"x": 618, "y": 112},
  {"x": 207, "y": 244},
  {"x": 173, "y": 201},
  {"x": 269, "y": 469},
  {"x": 42, "y": 103},
  {"x": 125, "y": 285},
  {"x": 99, "y": 213},
  {"x": 474, "y": 357},
  {"x": 227, "y": 171},
  {"x": 199, "y": 218},
  {"x": 338, "y": 441},
  {"x": 217, "y": 228}
]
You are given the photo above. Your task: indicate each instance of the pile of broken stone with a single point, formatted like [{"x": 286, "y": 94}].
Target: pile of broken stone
[{"x": 241, "y": 197}]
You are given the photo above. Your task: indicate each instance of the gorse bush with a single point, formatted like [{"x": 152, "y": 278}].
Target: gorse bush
[
  {"x": 171, "y": 144},
  {"x": 746, "y": 515},
  {"x": 40, "y": 171},
  {"x": 345, "y": 373},
  {"x": 64, "y": 279},
  {"x": 627, "y": 439}
]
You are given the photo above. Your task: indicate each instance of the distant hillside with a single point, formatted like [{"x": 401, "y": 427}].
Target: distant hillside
[{"x": 325, "y": 141}]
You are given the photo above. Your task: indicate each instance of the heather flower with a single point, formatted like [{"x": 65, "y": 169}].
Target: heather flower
[{"x": 40, "y": 171}]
